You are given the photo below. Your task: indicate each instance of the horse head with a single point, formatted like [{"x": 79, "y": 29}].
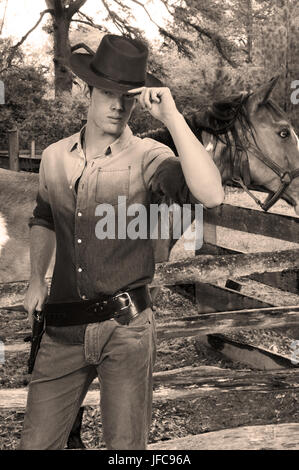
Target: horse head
[
  {"x": 253, "y": 143},
  {"x": 273, "y": 153}
]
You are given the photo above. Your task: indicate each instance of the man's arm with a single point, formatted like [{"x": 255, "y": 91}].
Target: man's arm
[
  {"x": 42, "y": 245},
  {"x": 201, "y": 174}
]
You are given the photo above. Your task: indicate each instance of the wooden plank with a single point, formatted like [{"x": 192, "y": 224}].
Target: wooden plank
[
  {"x": 198, "y": 269},
  {"x": 212, "y": 268},
  {"x": 16, "y": 348},
  {"x": 215, "y": 298},
  {"x": 238, "y": 381},
  {"x": 13, "y": 149},
  {"x": 219, "y": 322},
  {"x": 247, "y": 220},
  {"x": 213, "y": 249},
  {"x": 254, "y": 356},
  {"x": 287, "y": 280},
  {"x": 23, "y": 154},
  {"x": 264, "y": 437},
  {"x": 272, "y": 295}
]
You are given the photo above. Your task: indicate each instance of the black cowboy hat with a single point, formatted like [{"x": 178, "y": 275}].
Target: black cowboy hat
[{"x": 119, "y": 64}]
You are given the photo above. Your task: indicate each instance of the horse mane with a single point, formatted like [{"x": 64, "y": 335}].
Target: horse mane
[{"x": 219, "y": 119}]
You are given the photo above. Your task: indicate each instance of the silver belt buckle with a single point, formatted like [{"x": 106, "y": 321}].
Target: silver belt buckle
[{"x": 128, "y": 297}]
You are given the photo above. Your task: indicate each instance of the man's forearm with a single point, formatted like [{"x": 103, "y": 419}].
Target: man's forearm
[
  {"x": 201, "y": 174},
  {"x": 42, "y": 245}
]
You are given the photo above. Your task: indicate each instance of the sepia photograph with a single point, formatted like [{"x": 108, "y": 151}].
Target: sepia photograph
[{"x": 149, "y": 228}]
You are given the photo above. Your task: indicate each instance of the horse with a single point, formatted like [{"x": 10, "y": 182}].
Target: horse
[
  {"x": 252, "y": 143},
  {"x": 248, "y": 136}
]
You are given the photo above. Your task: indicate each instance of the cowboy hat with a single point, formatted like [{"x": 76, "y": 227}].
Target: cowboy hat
[{"x": 119, "y": 64}]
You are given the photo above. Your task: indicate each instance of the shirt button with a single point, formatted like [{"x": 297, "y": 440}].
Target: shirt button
[
  {"x": 79, "y": 240},
  {"x": 83, "y": 296},
  {"x": 71, "y": 187},
  {"x": 79, "y": 214},
  {"x": 79, "y": 270}
]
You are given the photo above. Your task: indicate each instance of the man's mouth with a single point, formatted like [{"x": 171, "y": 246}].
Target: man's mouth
[{"x": 115, "y": 118}]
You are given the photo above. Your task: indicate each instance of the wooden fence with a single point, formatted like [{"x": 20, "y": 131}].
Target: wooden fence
[{"x": 16, "y": 159}]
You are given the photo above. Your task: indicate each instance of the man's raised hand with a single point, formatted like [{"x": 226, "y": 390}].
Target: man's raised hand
[{"x": 158, "y": 101}]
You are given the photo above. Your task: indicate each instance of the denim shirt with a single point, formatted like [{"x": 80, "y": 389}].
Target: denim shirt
[{"x": 70, "y": 190}]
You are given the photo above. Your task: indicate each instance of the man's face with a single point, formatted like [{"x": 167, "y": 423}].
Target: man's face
[{"x": 110, "y": 111}]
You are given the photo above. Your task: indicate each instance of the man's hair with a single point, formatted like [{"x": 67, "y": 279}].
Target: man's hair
[{"x": 90, "y": 87}]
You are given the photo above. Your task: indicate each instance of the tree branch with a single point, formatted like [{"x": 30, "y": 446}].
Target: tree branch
[
  {"x": 92, "y": 25},
  {"x": 89, "y": 22},
  {"x": 214, "y": 37},
  {"x": 74, "y": 7},
  {"x": 23, "y": 39},
  {"x": 121, "y": 25},
  {"x": 181, "y": 43},
  {"x": 146, "y": 11}
]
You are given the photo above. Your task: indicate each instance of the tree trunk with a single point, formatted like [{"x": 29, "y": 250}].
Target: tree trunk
[
  {"x": 62, "y": 51},
  {"x": 249, "y": 30}
]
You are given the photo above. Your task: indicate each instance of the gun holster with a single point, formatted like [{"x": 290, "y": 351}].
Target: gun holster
[{"x": 38, "y": 328}]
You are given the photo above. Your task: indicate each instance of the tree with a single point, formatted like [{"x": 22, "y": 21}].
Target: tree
[{"x": 64, "y": 12}]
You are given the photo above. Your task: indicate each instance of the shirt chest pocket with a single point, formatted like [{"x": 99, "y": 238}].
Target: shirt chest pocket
[{"x": 112, "y": 183}]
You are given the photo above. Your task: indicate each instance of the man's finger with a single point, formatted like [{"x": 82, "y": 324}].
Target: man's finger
[
  {"x": 31, "y": 308},
  {"x": 155, "y": 96},
  {"x": 147, "y": 98},
  {"x": 136, "y": 91}
]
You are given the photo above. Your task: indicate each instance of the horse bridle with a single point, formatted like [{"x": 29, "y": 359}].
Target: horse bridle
[
  {"x": 240, "y": 171},
  {"x": 243, "y": 173}
]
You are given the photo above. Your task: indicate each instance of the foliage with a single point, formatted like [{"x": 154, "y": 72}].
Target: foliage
[
  {"x": 261, "y": 39},
  {"x": 53, "y": 120},
  {"x": 27, "y": 107}
]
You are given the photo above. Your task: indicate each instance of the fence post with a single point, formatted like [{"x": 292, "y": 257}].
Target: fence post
[
  {"x": 13, "y": 149},
  {"x": 209, "y": 236},
  {"x": 32, "y": 155}
]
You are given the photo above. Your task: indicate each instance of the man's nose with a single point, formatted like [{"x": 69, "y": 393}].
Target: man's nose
[{"x": 118, "y": 103}]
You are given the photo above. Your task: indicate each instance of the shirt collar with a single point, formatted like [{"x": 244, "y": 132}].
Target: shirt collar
[{"x": 117, "y": 146}]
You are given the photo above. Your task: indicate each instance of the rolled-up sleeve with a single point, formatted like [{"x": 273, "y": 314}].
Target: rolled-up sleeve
[
  {"x": 163, "y": 175},
  {"x": 42, "y": 213}
]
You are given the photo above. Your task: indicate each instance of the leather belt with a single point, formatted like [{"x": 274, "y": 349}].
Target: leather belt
[{"x": 123, "y": 307}]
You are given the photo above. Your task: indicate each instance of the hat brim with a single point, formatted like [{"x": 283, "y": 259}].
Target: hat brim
[{"x": 80, "y": 65}]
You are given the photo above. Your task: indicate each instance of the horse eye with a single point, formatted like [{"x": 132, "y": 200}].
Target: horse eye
[{"x": 284, "y": 133}]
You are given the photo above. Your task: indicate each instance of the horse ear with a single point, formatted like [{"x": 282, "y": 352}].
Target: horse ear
[{"x": 262, "y": 94}]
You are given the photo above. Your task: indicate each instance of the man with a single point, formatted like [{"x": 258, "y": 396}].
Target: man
[{"x": 99, "y": 320}]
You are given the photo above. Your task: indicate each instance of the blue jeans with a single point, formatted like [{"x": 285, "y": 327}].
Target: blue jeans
[{"x": 122, "y": 356}]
